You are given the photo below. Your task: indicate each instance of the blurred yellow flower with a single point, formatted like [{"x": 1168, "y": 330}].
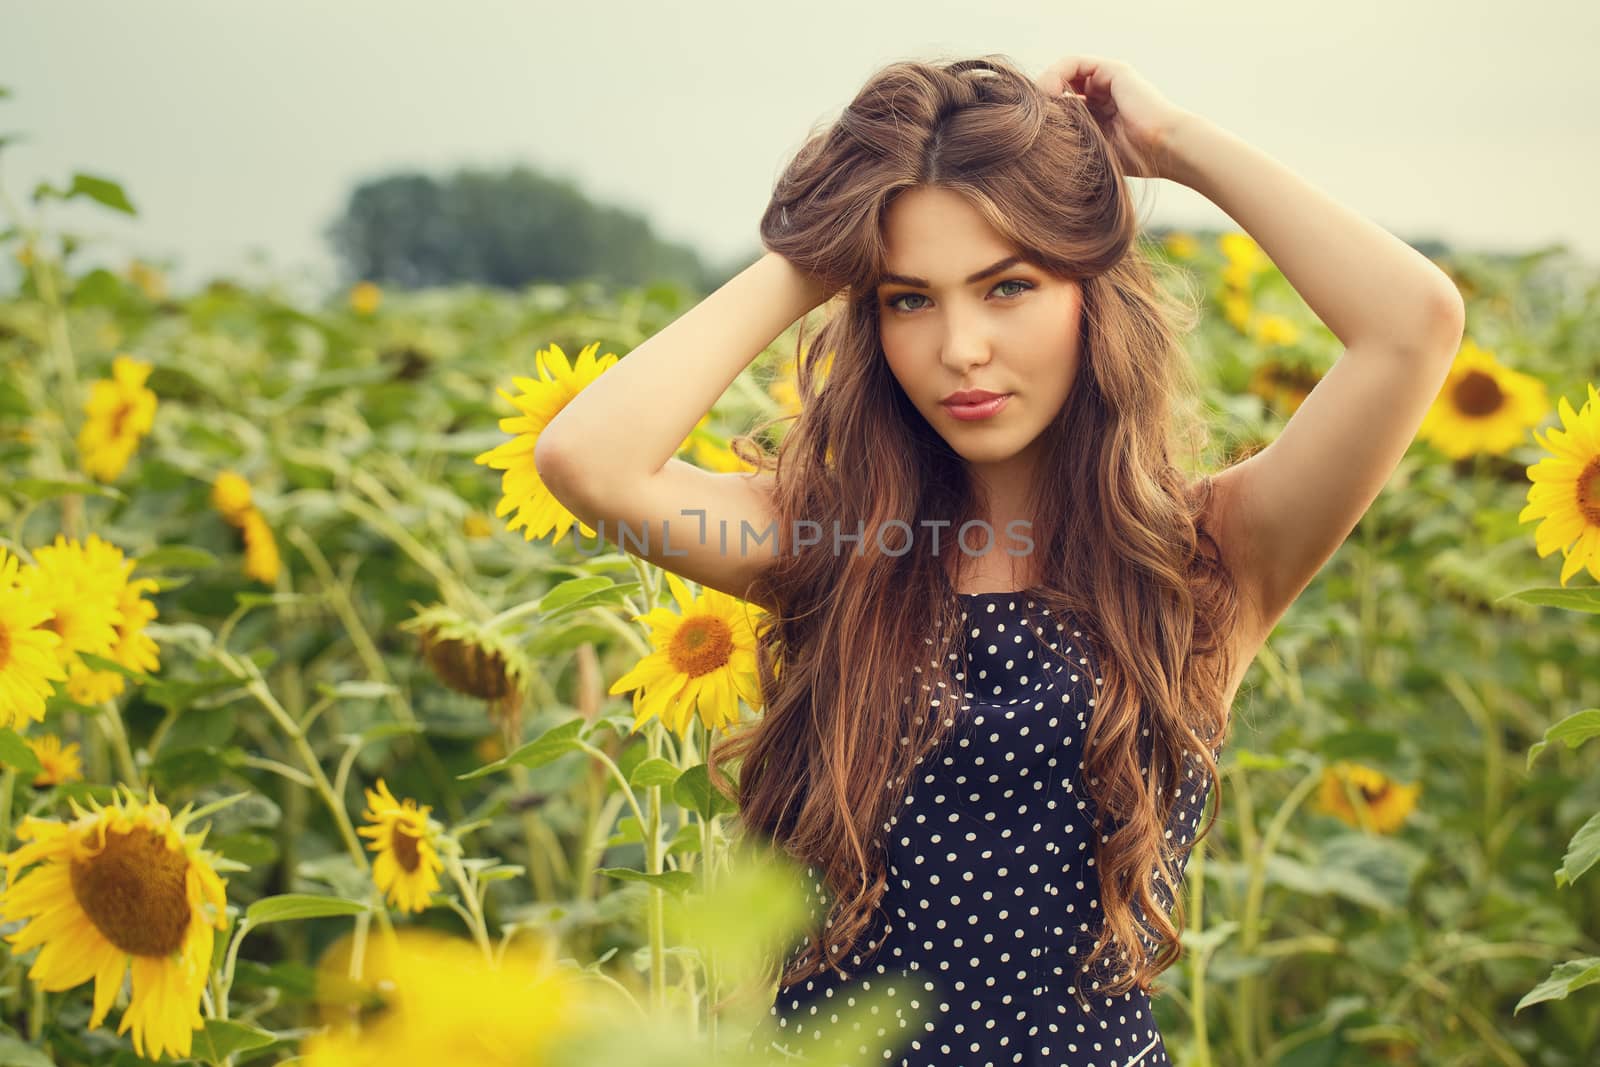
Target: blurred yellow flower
[
  {"x": 148, "y": 278},
  {"x": 230, "y": 495},
  {"x": 1483, "y": 406},
  {"x": 1566, "y": 489},
  {"x": 541, "y": 399},
  {"x": 1380, "y": 801},
  {"x": 120, "y": 412},
  {"x": 81, "y": 588},
  {"x": 365, "y": 297},
  {"x": 1276, "y": 330},
  {"x": 704, "y": 661},
  {"x": 261, "y": 559},
  {"x": 29, "y": 661},
  {"x": 60, "y": 763},
  {"x": 1245, "y": 258},
  {"x": 1181, "y": 246},
  {"x": 133, "y": 647},
  {"x": 120, "y": 888},
  {"x": 1236, "y": 309},
  {"x": 476, "y": 525},
  {"x": 711, "y": 451},
  {"x": 440, "y": 1001},
  {"x": 407, "y": 865}
]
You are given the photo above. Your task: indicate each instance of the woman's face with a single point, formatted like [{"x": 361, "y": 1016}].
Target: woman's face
[{"x": 1013, "y": 331}]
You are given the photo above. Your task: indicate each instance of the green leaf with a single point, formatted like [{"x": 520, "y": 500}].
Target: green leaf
[
  {"x": 15, "y": 1052},
  {"x": 178, "y": 557},
  {"x": 1575, "y": 729},
  {"x": 695, "y": 792},
  {"x": 100, "y": 190},
  {"x": 1263, "y": 761},
  {"x": 1587, "y": 600},
  {"x": 38, "y": 489},
  {"x": 551, "y": 745},
  {"x": 291, "y": 906},
  {"x": 224, "y": 1037},
  {"x": 587, "y": 592},
  {"x": 253, "y": 600},
  {"x": 628, "y": 832},
  {"x": 671, "y": 881},
  {"x": 652, "y": 772},
  {"x": 1566, "y": 978},
  {"x": 16, "y": 754},
  {"x": 101, "y": 663},
  {"x": 1582, "y": 852}
]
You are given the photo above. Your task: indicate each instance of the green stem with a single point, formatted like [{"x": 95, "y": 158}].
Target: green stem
[
  {"x": 247, "y": 670},
  {"x": 1250, "y": 933},
  {"x": 111, "y": 723},
  {"x": 1197, "y": 962},
  {"x": 474, "y": 903},
  {"x": 652, "y": 861},
  {"x": 339, "y": 597}
]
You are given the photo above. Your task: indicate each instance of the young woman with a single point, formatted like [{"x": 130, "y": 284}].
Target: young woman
[{"x": 1010, "y": 628}]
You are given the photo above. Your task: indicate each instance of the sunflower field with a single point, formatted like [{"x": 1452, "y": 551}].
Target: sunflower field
[{"x": 329, "y": 736}]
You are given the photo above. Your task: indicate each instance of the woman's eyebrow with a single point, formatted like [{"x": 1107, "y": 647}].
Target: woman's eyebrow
[{"x": 922, "y": 283}]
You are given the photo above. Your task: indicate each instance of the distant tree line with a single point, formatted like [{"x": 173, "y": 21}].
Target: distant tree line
[
  {"x": 504, "y": 229},
  {"x": 508, "y": 229}
]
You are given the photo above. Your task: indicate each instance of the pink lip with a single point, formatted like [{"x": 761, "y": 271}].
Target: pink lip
[{"x": 981, "y": 410}]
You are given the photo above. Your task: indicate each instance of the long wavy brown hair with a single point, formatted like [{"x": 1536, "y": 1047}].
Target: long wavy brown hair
[{"x": 1117, "y": 534}]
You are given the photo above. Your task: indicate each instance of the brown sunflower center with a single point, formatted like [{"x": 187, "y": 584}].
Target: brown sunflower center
[
  {"x": 119, "y": 417},
  {"x": 703, "y": 644},
  {"x": 1588, "y": 497},
  {"x": 405, "y": 849},
  {"x": 134, "y": 892},
  {"x": 1477, "y": 394},
  {"x": 1370, "y": 793}
]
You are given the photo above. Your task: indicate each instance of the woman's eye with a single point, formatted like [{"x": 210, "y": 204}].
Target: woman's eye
[{"x": 894, "y": 301}]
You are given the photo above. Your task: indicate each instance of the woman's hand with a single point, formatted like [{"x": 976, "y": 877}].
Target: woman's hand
[{"x": 1132, "y": 113}]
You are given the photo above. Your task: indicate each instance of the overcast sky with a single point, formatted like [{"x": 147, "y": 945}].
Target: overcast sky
[{"x": 238, "y": 128}]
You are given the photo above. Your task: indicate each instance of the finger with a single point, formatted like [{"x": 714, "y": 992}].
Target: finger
[{"x": 1069, "y": 71}]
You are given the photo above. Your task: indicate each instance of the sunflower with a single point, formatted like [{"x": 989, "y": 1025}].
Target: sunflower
[
  {"x": 120, "y": 412},
  {"x": 118, "y": 889},
  {"x": 261, "y": 559},
  {"x": 60, "y": 763},
  {"x": 431, "y": 998},
  {"x": 711, "y": 451},
  {"x": 704, "y": 662},
  {"x": 408, "y": 864},
  {"x": 1566, "y": 490},
  {"x": 1276, "y": 330},
  {"x": 541, "y": 399},
  {"x": 230, "y": 495},
  {"x": 474, "y": 658},
  {"x": 365, "y": 297},
  {"x": 133, "y": 647},
  {"x": 82, "y": 591},
  {"x": 1283, "y": 385},
  {"x": 1483, "y": 406},
  {"x": 1181, "y": 245},
  {"x": 29, "y": 662},
  {"x": 1245, "y": 257},
  {"x": 1384, "y": 802}
]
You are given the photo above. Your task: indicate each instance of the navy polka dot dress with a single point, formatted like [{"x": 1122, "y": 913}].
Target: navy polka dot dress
[{"x": 992, "y": 886}]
